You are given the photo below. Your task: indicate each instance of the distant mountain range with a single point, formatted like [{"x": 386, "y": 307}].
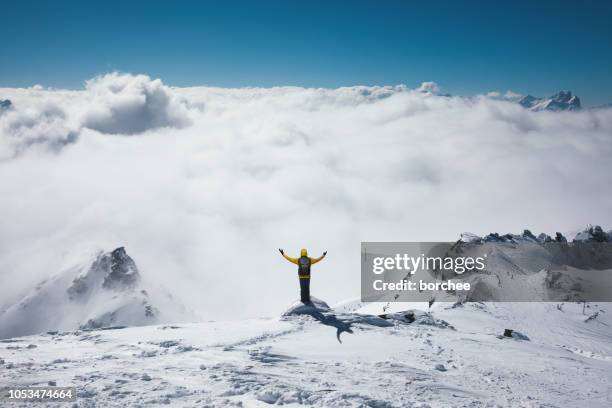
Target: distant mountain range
[{"x": 561, "y": 101}]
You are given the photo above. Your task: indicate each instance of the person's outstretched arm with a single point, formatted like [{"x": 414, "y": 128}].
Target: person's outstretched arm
[
  {"x": 315, "y": 260},
  {"x": 290, "y": 259}
]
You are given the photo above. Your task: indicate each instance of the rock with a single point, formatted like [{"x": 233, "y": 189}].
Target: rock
[
  {"x": 106, "y": 320},
  {"x": 407, "y": 316},
  {"x": 151, "y": 311},
  {"x": 60, "y": 361},
  {"x": 495, "y": 237},
  {"x": 528, "y": 235},
  {"x": 599, "y": 235},
  {"x": 492, "y": 237},
  {"x": 168, "y": 343},
  {"x": 513, "y": 334},
  {"x": 123, "y": 271},
  {"x": 544, "y": 238},
  {"x": 416, "y": 317},
  {"x": 440, "y": 367},
  {"x": 591, "y": 317},
  {"x": 559, "y": 237},
  {"x": 114, "y": 270},
  {"x": 146, "y": 377},
  {"x": 593, "y": 234},
  {"x": 299, "y": 308},
  {"x": 52, "y": 383},
  {"x": 469, "y": 237},
  {"x": 528, "y": 101}
]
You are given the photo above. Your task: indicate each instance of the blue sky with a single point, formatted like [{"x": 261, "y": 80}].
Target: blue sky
[{"x": 468, "y": 47}]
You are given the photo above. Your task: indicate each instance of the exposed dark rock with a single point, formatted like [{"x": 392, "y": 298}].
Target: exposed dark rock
[
  {"x": 528, "y": 235},
  {"x": 105, "y": 320},
  {"x": 593, "y": 234},
  {"x": 150, "y": 311},
  {"x": 123, "y": 272},
  {"x": 114, "y": 271},
  {"x": 543, "y": 238},
  {"x": 495, "y": 237}
]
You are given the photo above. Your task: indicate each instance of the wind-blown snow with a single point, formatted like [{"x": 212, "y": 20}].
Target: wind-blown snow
[{"x": 203, "y": 184}]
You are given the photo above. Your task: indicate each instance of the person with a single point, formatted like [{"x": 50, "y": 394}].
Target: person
[{"x": 303, "y": 262}]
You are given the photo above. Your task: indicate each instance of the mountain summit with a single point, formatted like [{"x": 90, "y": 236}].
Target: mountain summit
[
  {"x": 561, "y": 101},
  {"x": 109, "y": 292}
]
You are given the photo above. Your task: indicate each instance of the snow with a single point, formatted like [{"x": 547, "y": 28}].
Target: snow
[
  {"x": 351, "y": 354},
  {"x": 104, "y": 292},
  {"x": 298, "y": 308},
  {"x": 561, "y": 101},
  {"x": 297, "y": 359}
]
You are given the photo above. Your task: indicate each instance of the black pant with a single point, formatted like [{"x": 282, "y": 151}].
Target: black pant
[{"x": 305, "y": 290}]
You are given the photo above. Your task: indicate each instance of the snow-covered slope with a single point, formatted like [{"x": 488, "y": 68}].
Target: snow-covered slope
[
  {"x": 561, "y": 101},
  {"x": 447, "y": 357},
  {"x": 353, "y": 354},
  {"x": 108, "y": 292},
  {"x": 523, "y": 267}
]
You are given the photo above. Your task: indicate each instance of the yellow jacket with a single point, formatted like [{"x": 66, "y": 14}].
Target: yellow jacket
[{"x": 303, "y": 252}]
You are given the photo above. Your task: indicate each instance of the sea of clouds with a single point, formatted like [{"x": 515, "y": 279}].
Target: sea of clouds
[{"x": 202, "y": 185}]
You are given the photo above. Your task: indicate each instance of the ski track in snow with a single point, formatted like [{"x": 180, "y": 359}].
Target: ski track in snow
[{"x": 298, "y": 361}]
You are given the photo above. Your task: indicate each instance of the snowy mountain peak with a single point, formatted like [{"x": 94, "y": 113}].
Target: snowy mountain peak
[
  {"x": 113, "y": 270},
  {"x": 561, "y": 101},
  {"x": 123, "y": 272},
  {"x": 593, "y": 234},
  {"x": 589, "y": 234},
  {"x": 109, "y": 292}
]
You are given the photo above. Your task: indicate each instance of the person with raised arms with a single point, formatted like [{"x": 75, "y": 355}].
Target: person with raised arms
[{"x": 303, "y": 262}]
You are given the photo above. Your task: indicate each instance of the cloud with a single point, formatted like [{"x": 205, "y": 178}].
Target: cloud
[
  {"x": 41, "y": 122},
  {"x": 429, "y": 87},
  {"x": 221, "y": 178},
  {"x": 131, "y": 104},
  {"x": 508, "y": 96},
  {"x": 119, "y": 104}
]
